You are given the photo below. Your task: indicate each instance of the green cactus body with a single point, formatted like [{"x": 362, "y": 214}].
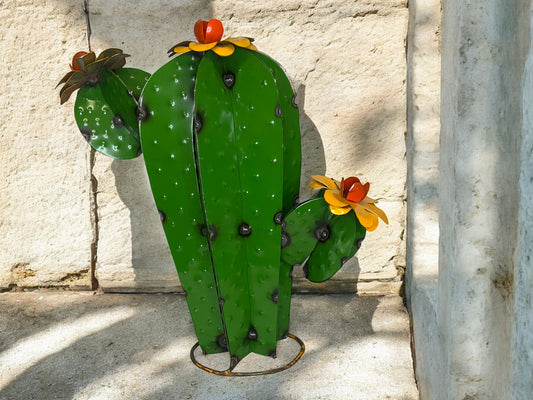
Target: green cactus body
[
  {"x": 292, "y": 153},
  {"x": 168, "y": 143},
  {"x": 225, "y": 119},
  {"x": 284, "y": 299},
  {"x": 106, "y": 112}
]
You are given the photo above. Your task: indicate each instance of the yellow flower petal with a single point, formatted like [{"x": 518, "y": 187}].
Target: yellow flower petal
[
  {"x": 239, "y": 41},
  {"x": 378, "y": 211},
  {"x": 181, "y": 49},
  {"x": 335, "y": 199},
  {"x": 316, "y": 185},
  {"x": 369, "y": 200},
  {"x": 252, "y": 47},
  {"x": 201, "y": 46},
  {"x": 366, "y": 218},
  {"x": 224, "y": 49},
  {"x": 339, "y": 210},
  {"x": 327, "y": 182}
]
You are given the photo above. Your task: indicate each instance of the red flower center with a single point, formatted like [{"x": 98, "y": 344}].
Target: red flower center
[
  {"x": 353, "y": 190},
  {"x": 208, "y": 31},
  {"x": 74, "y": 66}
]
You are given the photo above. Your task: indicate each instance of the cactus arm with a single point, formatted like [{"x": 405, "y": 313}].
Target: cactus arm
[
  {"x": 329, "y": 256},
  {"x": 292, "y": 150},
  {"x": 121, "y": 96},
  {"x": 301, "y": 227},
  {"x": 311, "y": 232},
  {"x": 98, "y": 124},
  {"x": 360, "y": 233},
  {"x": 167, "y": 137},
  {"x": 134, "y": 79}
]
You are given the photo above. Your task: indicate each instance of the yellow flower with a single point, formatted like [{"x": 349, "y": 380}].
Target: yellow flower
[
  {"x": 208, "y": 34},
  {"x": 350, "y": 194}
]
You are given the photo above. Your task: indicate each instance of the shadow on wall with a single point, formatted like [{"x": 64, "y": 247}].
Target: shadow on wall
[{"x": 313, "y": 155}]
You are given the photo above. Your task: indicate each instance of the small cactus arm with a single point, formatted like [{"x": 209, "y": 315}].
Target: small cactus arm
[
  {"x": 321, "y": 240},
  {"x": 107, "y": 101},
  {"x": 216, "y": 140},
  {"x": 327, "y": 229}
]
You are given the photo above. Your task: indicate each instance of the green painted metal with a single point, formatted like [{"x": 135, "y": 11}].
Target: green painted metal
[
  {"x": 122, "y": 88},
  {"x": 345, "y": 235},
  {"x": 220, "y": 185},
  {"x": 259, "y": 139},
  {"x": 292, "y": 148},
  {"x": 106, "y": 112},
  {"x": 301, "y": 225},
  {"x": 284, "y": 299},
  {"x": 240, "y": 159},
  {"x": 360, "y": 233},
  {"x": 168, "y": 142}
]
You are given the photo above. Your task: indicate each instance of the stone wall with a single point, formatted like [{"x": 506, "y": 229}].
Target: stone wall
[
  {"x": 422, "y": 230},
  {"x": 70, "y": 217}
]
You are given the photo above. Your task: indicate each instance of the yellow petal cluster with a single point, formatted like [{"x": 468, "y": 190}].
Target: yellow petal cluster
[
  {"x": 366, "y": 211},
  {"x": 223, "y": 48}
]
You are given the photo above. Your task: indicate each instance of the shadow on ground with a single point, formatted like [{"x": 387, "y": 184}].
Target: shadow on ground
[{"x": 82, "y": 346}]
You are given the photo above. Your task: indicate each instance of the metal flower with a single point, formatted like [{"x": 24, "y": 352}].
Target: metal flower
[
  {"x": 209, "y": 35},
  {"x": 350, "y": 194},
  {"x": 86, "y": 67}
]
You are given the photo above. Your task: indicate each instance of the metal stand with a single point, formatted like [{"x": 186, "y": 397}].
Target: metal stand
[{"x": 229, "y": 372}]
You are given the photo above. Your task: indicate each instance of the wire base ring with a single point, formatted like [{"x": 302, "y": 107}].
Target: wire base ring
[{"x": 229, "y": 372}]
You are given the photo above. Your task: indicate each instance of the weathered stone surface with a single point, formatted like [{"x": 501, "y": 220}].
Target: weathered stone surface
[
  {"x": 422, "y": 228},
  {"x": 133, "y": 254},
  {"x": 46, "y": 224},
  {"x": 472, "y": 325},
  {"x": 522, "y": 358},
  {"x": 347, "y": 65}
]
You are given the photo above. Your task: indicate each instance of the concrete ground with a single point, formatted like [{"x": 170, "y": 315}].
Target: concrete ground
[{"x": 65, "y": 345}]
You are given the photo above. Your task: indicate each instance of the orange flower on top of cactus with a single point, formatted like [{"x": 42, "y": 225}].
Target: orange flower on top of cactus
[
  {"x": 209, "y": 35},
  {"x": 350, "y": 194}
]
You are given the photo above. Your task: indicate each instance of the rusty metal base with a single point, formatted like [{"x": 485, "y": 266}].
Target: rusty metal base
[{"x": 229, "y": 372}]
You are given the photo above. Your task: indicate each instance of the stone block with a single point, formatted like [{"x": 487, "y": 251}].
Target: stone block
[{"x": 47, "y": 231}]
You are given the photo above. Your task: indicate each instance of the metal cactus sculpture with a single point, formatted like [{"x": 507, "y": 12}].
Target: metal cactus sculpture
[{"x": 220, "y": 135}]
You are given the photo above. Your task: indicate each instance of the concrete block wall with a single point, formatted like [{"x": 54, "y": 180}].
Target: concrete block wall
[
  {"x": 470, "y": 302},
  {"x": 72, "y": 218}
]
